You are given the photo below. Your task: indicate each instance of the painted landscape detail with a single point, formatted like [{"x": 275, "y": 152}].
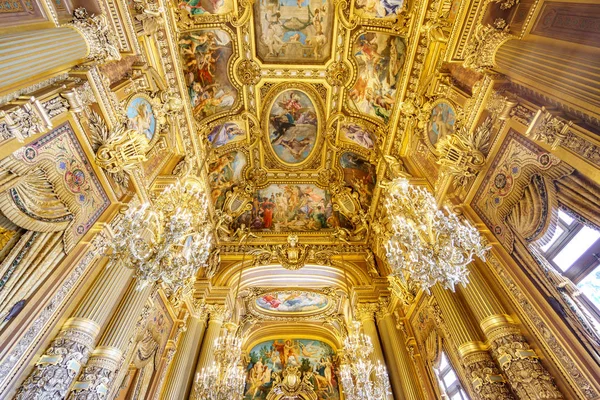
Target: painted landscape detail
[
  {"x": 224, "y": 172},
  {"x": 293, "y": 126},
  {"x": 205, "y": 54},
  {"x": 140, "y": 117},
  {"x": 378, "y": 8},
  {"x": 291, "y": 31},
  {"x": 441, "y": 122},
  {"x": 380, "y": 59},
  {"x": 226, "y": 133},
  {"x": 274, "y": 356},
  {"x": 292, "y": 301},
  {"x": 283, "y": 207},
  {"x": 357, "y": 134},
  {"x": 360, "y": 175}
]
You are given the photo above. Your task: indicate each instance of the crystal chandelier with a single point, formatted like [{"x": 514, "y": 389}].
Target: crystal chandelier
[
  {"x": 430, "y": 245},
  {"x": 225, "y": 379},
  {"x": 168, "y": 240},
  {"x": 360, "y": 378}
]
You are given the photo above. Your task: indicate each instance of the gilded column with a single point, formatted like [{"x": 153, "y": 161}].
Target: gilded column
[
  {"x": 525, "y": 374},
  {"x": 481, "y": 370},
  {"x": 551, "y": 67},
  {"x": 181, "y": 374},
  {"x": 402, "y": 369},
  {"x": 25, "y": 55},
  {"x": 365, "y": 312},
  {"x": 217, "y": 313},
  {"x": 106, "y": 359},
  {"x": 58, "y": 368}
]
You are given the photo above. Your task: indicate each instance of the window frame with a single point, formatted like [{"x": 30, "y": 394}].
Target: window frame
[
  {"x": 455, "y": 387},
  {"x": 582, "y": 266}
]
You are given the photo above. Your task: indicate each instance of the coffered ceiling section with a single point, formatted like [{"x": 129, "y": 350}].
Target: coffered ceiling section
[{"x": 294, "y": 100}]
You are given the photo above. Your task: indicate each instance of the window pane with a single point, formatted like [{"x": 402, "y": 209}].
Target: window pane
[
  {"x": 443, "y": 361},
  {"x": 457, "y": 396},
  {"x": 557, "y": 232},
  {"x": 565, "y": 217},
  {"x": 584, "y": 239},
  {"x": 449, "y": 378},
  {"x": 590, "y": 286}
]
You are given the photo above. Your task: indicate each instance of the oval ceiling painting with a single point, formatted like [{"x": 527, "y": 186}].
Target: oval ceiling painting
[
  {"x": 293, "y": 126},
  {"x": 292, "y": 301},
  {"x": 441, "y": 122}
]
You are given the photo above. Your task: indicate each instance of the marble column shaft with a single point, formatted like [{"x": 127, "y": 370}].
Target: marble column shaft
[
  {"x": 106, "y": 358},
  {"x": 58, "y": 368},
  {"x": 180, "y": 377},
  {"x": 527, "y": 377},
  {"x": 402, "y": 372},
  {"x": 480, "y": 369}
]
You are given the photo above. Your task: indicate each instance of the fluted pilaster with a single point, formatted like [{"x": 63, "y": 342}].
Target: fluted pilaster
[
  {"x": 526, "y": 376},
  {"x": 365, "y": 313},
  {"x": 403, "y": 377},
  {"x": 181, "y": 374},
  {"x": 480, "y": 369},
  {"x": 106, "y": 359},
  {"x": 217, "y": 313},
  {"x": 27, "y": 55},
  {"x": 61, "y": 363}
]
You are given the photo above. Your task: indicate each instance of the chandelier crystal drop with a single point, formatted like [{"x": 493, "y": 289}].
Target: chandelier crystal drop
[
  {"x": 225, "y": 379},
  {"x": 431, "y": 245},
  {"x": 360, "y": 378},
  {"x": 167, "y": 240}
]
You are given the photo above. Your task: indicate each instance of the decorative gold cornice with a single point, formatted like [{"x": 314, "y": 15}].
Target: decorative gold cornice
[
  {"x": 493, "y": 322},
  {"x": 82, "y": 325},
  {"x": 468, "y": 348}
]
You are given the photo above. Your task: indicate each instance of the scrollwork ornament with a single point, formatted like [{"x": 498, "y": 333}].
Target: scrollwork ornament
[
  {"x": 481, "y": 50},
  {"x": 526, "y": 375},
  {"x": 248, "y": 72},
  {"x": 56, "y": 370},
  {"x": 94, "y": 382},
  {"x": 486, "y": 379},
  {"x": 101, "y": 41},
  {"x": 338, "y": 74}
]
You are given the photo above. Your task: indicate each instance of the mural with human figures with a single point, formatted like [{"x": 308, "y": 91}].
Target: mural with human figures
[
  {"x": 225, "y": 133},
  {"x": 200, "y": 7},
  {"x": 380, "y": 59},
  {"x": 224, "y": 172},
  {"x": 273, "y": 356},
  {"x": 292, "y": 301},
  {"x": 293, "y": 125},
  {"x": 379, "y": 8},
  {"x": 205, "y": 54},
  {"x": 291, "y": 207},
  {"x": 293, "y": 31},
  {"x": 357, "y": 134},
  {"x": 360, "y": 175}
]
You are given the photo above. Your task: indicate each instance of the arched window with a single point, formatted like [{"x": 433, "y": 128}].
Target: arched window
[{"x": 450, "y": 385}]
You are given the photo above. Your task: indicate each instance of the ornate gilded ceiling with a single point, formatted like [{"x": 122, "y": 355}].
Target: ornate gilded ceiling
[{"x": 296, "y": 102}]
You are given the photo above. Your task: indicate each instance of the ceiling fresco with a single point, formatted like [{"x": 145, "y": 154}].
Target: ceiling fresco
[
  {"x": 292, "y": 301},
  {"x": 294, "y": 102},
  {"x": 293, "y": 31},
  {"x": 293, "y": 126}
]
